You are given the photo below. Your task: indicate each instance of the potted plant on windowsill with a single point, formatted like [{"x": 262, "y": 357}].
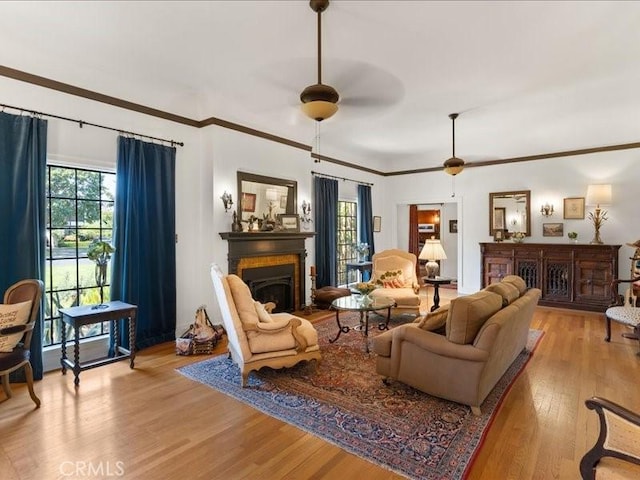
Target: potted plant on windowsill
[{"x": 100, "y": 253}]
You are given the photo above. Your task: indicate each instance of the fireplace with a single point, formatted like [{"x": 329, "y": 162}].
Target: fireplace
[
  {"x": 272, "y": 284},
  {"x": 272, "y": 264}
]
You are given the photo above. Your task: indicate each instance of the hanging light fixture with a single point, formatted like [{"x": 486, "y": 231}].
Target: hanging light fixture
[
  {"x": 454, "y": 165},
  {"x": 319, "y": 101}
]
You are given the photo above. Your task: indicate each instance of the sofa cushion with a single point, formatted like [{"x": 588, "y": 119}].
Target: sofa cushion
[
  {"x": 508, "y": 291},
  {"x": 404, "y": 297},
  {"x": 468, "y": 314},
  {"x": 517, "y": 282},
  {"x": 10, "y": 316},
  {"x": 433, "y": 321},
  {"x": 243, "y": 301}
]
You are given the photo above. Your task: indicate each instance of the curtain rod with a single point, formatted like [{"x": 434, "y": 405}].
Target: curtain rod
[
  {"x": 340, "y": 178},
  {"x": 81, "y": 123}
]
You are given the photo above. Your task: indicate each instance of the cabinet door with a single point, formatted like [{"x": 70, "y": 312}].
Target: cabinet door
[
  {"x": 557, "y": 279},
  {"x": 593, "y": 281},
  {"x": 529, "y": 270},
  {"x": 495, "y": 268}
]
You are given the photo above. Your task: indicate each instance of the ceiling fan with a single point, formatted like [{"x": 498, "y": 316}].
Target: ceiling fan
[{"x": 319, "y": 101}]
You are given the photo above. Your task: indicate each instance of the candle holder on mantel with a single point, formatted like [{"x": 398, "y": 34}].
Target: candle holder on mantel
[{"x": 309, "y": 309}]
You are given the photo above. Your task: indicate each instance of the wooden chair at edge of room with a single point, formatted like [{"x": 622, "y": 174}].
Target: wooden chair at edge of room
[
  {"x": 23, "y": 291},
  {"x": 616, "y": 453}
]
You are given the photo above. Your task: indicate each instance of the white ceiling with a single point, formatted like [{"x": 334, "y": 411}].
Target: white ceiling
[{"x": 527, "y": 77}]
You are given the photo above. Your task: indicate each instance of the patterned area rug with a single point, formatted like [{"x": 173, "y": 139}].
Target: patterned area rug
[{"x": 344, "y": 401}]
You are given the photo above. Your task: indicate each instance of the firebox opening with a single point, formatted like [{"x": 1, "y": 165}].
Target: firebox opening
[{"x": 272, "y": 284}]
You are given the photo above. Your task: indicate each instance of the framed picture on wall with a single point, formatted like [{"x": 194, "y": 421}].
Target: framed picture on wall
[
  {"x": 574, "y": 208},
  {"x": 552, "y": 229},
  {"x": 453, "y": 226},
  {"x": 377, "y": 224}
]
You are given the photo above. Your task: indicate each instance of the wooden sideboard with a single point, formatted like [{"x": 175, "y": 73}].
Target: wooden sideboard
[{"x": 569, "y": 275}]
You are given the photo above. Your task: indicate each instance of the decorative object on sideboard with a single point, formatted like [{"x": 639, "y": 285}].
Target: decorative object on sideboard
[
  {"x": 454, "y": 165},
  {"x": 227, "y": 200},
  {"x": 498, "y": 235},
  {"x": 518, "y": 237},
  {"x": 598, "y": 195},
  {"x": 546, "y": 210},
  {"x": 574, "y": 208},
  {"x": 573, "y": 236},
  {"x": 432, "y": 251}
]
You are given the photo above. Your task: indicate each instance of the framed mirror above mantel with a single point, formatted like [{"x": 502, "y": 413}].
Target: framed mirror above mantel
[
  {"x": 265, "y": 197},
  {"x": 510, "y": 212}
]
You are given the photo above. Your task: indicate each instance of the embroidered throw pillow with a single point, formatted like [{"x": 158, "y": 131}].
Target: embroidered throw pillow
[
  {"x": 11, "y": 315},
  {"x": 392, "y": 279}
]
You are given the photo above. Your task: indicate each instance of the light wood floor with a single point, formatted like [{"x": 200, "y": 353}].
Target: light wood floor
[{"x": 153, "y": 423}]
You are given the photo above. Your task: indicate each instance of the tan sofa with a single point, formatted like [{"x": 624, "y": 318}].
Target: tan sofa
[
  {"x": 257, "y": 338},
  {"x": 405, "y": 292},
  {"x": 483, "y": 334}
]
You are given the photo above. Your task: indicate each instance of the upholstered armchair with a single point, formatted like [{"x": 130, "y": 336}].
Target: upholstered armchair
[
  {"x": 616, "y": 453},
  {"x": 394, "y": 271},
  {"x": 257, "y": 338}
]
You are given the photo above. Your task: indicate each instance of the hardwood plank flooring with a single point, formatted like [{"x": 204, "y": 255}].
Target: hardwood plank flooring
[{"x": 153, "y": 423}]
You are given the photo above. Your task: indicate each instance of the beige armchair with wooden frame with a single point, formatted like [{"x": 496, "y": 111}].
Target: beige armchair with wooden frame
[
  {"x": 256, "y": 337},
  {"x": 404, "y": 287}
]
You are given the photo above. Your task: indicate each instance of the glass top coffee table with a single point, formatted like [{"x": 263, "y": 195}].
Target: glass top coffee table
[{"x": 364, "y": 305}]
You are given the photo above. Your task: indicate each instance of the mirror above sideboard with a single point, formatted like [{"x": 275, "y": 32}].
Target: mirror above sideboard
[
  {"x": 510, "y": 212},
  {"x": 265, "y": 197}
]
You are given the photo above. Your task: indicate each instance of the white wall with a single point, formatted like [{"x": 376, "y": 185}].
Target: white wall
[
  {"x": 95, "y": 147},
  {"x": 549, "y": 181},
  {"x": 208, "y": 163}
]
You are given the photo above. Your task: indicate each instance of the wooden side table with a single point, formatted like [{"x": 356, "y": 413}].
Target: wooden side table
[
  {"x": 89, "y": 314},
  {"x": 436, "y": 282}
]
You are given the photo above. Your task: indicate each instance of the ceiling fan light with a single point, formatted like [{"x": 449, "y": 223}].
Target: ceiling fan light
[
  {"x": 319, "y": 110},
  {"x": 453, "y": 166},
  {"x": 319, "y": 101}
]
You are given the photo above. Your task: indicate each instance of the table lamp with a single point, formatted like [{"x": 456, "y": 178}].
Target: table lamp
[
  {"x": 432, "y": 251},
  {"x": 598, "y": 195}
]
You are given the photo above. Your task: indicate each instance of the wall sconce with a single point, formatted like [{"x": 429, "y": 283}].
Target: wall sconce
[
  {"x": 227, "y": 200},
  {"x": 546, "y": 210},
  {"x": 306, "y": 211},
  {"x": 598, "y": 195}
]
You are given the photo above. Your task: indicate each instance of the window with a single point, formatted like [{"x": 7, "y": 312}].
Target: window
[
  {"x": 80, "y": 206},
  {"x": 347, "y": 238}
]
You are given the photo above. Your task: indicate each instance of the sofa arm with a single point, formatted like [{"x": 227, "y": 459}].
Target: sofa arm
[{"x": 437, "y": 344}]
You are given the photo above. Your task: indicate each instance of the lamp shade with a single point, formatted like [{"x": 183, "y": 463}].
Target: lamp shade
[
  {"x": 598, "y": 195},
  {"x": 432, "y": 250}
]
